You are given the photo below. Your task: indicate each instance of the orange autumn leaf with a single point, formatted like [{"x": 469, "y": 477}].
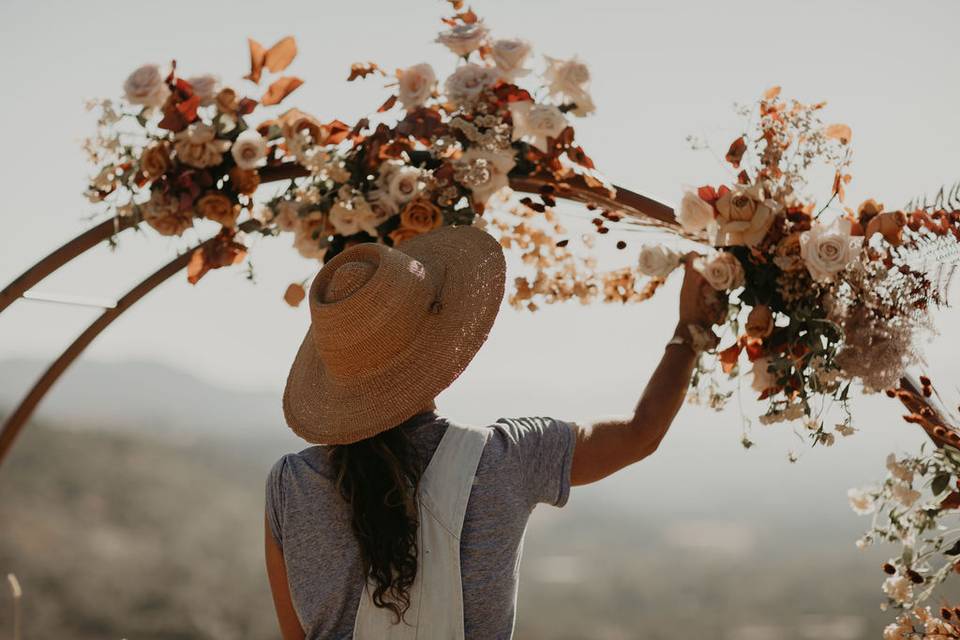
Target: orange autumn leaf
[
  {"x": 729, "y": 356},
  {"x": 735, "y": 153},
  {"x": 839, "y": 132},
  {"x": 294, "y": 295},
  {"x": 280, "y": 89},
  {"x": 771, "y": 93},
  {"x": 257, "y": 56},
  {"x": 386, "y": 106},
  {"x": 468, "y": 16},
  {"x": 360, "y": 70},
  {"x": 281, "y": 55},
  {"x": 221, "y": 251}
]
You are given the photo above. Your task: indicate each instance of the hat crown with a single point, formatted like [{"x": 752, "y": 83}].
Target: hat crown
[
  {"x": 346, "y": 280},
  {"x": 366, "y": 305}
]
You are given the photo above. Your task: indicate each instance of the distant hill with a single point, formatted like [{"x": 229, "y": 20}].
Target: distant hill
[{"x": 152, "y": 397}]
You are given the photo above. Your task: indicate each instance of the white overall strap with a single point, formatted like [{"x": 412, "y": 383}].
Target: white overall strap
[{"x": 436, "y": 596}]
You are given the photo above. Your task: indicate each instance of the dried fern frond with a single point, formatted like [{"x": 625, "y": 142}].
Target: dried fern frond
[{"x": 947, "y": 198}]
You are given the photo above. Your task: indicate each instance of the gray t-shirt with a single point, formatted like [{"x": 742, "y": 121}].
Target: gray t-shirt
[{"x": 526, "y": 461}]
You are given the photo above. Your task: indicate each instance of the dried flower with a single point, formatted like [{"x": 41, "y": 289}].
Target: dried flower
[
  {"x": 146, "y": 86},
  {"x": 219, "y": 208}
]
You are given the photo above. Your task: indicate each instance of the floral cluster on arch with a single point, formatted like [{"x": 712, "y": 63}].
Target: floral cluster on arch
[{"x": 438, "y": 151}]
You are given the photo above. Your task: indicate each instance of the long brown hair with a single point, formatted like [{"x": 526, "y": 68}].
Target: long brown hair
[{"x": 379, "y": 478}]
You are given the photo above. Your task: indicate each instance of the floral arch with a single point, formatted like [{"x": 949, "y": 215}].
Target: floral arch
[{"x": 819, "y": 297}]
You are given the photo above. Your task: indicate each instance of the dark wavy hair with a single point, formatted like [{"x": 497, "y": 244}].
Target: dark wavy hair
[{"x": 379, "y": 478}]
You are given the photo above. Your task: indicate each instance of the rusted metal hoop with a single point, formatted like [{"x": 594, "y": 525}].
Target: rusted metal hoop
[{"x": 622, "y": 200}]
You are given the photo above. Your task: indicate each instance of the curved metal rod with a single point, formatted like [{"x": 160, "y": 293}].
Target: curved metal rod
[
  {"x": 16, "y": 420},
  {"x": 578, "y": 190},
  {"x": 59, "y": 257}
]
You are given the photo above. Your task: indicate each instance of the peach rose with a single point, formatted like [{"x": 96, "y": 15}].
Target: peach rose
[
  {"x": 889, "y": 224},
  {"x": 155, "y": 161},
  {"x": 744, "y": 216},
  {"x": 244, "y": 181},
  {"x": 162, "y": 212},
  {"x": 402, "y": 234},
  {"x": 219, "y": 208},
  {"x": 421, "y": 216},
  {"x": 226, "y": 101},
  {"x": 759, "y": 322},
  {"x": 722, "y": 270}
]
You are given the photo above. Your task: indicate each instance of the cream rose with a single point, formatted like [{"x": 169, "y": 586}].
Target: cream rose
[
  {"x": 146, "y": 86},
  {"x": 484, "y": 172},
  {"x": 467, "y": 82},
  {"x": 206, "y": 87},
  {"x": 722, "y": 270},
  {"x": 198, "y": 146},
  {"x": 374, "y": 210},
  {"x": 695, "y": 215},
  {"x": 401, "y": 181},
  {"x": 345, "y": 219},
  {"x": 463, "y": 38},
  {"x": 249, "y": 149},
  {"x": 416, "y": 85},
  {"x": 657, "y": 261},
  {"x": 510, "y": 54},
  {"x": 310, "y": 237},
  {"x": 286, "y": 215},
  {"x": 829, "y": 249},
  {"x": 569, "y": 78},
  {"x": 536, "y": 122},
  {"x": 743, "y": 217}
]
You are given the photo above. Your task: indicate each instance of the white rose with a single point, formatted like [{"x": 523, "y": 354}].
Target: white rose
[
  {"x": 695, "y": 214},
  {"x": 861, "y": 501},
  {"x": 536, "y": 122},
  {"x": 206, "y": 87},
  {"x": 722, "y": 270},
  {"x": 249, "y": 149},
  {"x": 657, "y": 261},
  {"x": 463, "y": 38},
  {"x": 484, "y": 172},
  {"x": 467, "y": 82},
  {"x": 146, "y": 86},
  {"x": 345, "y": 220},
  {"x": 763, "y": 378},
  {"x": 198, "y": 146},
  {"x": 416, "y": 85},
  {"x": 569, "y": 78},
  {"x": 509, "y": 55},
  {"x": 828, "y": 249}
]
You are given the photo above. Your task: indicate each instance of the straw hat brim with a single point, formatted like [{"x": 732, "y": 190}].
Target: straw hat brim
[{"x": 324, "y": 410}]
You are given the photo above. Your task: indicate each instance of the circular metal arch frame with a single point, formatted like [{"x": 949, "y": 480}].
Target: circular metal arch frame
[{"x": 621, "y": 200}]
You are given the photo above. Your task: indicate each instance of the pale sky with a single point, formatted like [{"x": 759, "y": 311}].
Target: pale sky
[{"x": 662, "y": 70}]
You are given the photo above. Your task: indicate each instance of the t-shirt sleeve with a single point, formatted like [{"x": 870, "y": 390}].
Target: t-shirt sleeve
[
  {"x": 545, "y": 450},
  {"x": 274, "y": 500}
]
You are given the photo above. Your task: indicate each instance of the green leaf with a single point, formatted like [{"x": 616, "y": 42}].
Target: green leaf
[{"x": 939, "y": 484}]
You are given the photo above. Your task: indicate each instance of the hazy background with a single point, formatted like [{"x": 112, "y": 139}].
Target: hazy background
[{"x": 133, "y": 508}]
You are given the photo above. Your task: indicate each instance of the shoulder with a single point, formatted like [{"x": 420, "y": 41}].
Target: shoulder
[
  {"x": 516, "y": 430},
  {"x": 312, "y": 460}
]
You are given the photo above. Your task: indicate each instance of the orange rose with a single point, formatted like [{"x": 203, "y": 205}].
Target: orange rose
[
  {"x": 226, "y": 101},
  {"x": 219, "y": 208},
  {"x": 889, "y": 224},
  {"x": 788, "y": 253},
  {"x": 244, "y": 181},
  {"x": 421, "y": 215},
  {"x": 759, "y": 322},
  {"x": 155, "y": 161},
  {"x": 402, "y": 234},
  {"x": 162, "y": 212}
]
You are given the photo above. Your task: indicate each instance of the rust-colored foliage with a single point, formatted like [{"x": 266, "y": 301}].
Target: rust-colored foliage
[
  {"x": 280, "y": 89},
  {"x": 222, "y": 251}
]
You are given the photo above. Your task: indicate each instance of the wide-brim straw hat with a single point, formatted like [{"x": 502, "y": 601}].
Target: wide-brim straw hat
[{"x": 390, "y": 329}]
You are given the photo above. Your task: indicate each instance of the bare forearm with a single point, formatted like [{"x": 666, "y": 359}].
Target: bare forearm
[{"x": 663, "y": 396}]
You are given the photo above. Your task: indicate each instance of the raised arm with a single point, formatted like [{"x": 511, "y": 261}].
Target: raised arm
[{"x": 607, "y": 446}]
